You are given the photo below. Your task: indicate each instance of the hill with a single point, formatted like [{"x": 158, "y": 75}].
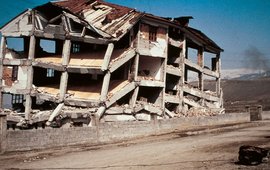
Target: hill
[{"x": 239, "y": 93}]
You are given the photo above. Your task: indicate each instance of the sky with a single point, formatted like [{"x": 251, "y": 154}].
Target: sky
[{"x": 240, "y": 27}]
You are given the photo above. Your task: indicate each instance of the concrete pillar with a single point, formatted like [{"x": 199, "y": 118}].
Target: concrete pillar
[
  {"x": 201, "y": 64},
  {"x": 218, "y": 68},
  {"x": 30, "y": 72},
  {"x": 136, "y": 67},
  {"x": 200, "y": 57},
  {"x": 132, "y": 101},
  {"x": 107, "y": 57},
  {"x": 64, "y": 76},
  {"x": 3, "y": 132},
  {"x": 63, "y": 85},
  {"x": 3, "y": 47},
  {"x": 2, "y": 55},
  {"x": 105, "y": 86},
  {"x": 32, "y": 48},
  {"x": 66, "y": 52},
  {"x": 183, "y": 76}
]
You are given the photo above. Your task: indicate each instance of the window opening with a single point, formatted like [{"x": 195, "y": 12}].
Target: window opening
[
  {"x": 17, "y": 98},
  {"x": 29, "y": 19},
  {"x": 50, "y": 72},
  {"x": 48, "y": 46},
  {"x": 75, "y": 48},
  {"x": 152, "y": 33},
  {"x": 14, "y": 73}
]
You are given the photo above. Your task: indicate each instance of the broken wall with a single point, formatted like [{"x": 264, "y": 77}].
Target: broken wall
[{"x": 152, "y": 43}]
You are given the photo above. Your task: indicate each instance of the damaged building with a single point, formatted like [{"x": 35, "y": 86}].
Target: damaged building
[{"x": 86, "y": 61}]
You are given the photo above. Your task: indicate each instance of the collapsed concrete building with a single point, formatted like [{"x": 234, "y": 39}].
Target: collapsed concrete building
[{"x": 106, "y": 63}]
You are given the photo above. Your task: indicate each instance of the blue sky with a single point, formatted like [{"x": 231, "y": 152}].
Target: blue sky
[{"x": 235, "y": 25}]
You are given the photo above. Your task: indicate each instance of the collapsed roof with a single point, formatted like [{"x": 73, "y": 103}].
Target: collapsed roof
[{"x": 106, "y": 19}]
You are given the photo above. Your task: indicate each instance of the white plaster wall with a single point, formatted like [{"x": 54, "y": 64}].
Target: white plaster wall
[
  {"x": 158, "y": 48},
  {"x": 19, "y": 24},
  {"x": 22, "y": 76},
  {"x": 152, "y": 64},
  {"x": 21, "y": 82}
]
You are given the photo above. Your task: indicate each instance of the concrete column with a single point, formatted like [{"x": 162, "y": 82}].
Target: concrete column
[
  {"x": 3, "y": 47},
  {"x": 133, "y": 98},
  {"x": 66, "y": 52},
  {"x": 136, "y": 67},
  {"x": 32, "y": 48},
  {"x": 30, "y": 72},
  {"x": 3, "y": 132},
  {"x": 105, "y": 86},
  {"x": 185, "y": 57},
  {"x": 163, "y": 69},
  {"x": 107, "y": 57},
  {"x": 63, "y": 85},
  {"x": 64, "y": 76},
  {"x": 218, "y": 68},
  {"x": 201, "y": 64},
  {"x": 182, "y": 78},
  {"x": 2, "y": 55}
]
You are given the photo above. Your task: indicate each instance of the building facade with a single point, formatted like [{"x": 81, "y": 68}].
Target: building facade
[{"x": 84, "y": 61}]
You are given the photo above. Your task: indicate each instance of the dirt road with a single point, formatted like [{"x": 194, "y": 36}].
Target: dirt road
[{"x": 174, "y": 151}]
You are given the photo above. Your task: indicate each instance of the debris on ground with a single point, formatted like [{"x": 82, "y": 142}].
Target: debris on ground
[{"x": 252, "y": 155}]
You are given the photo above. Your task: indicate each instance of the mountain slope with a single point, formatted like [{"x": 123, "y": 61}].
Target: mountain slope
[{"x": 238, "y": 93}]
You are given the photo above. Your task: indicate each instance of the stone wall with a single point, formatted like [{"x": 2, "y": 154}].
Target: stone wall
[{"x": 16, "y": 140}]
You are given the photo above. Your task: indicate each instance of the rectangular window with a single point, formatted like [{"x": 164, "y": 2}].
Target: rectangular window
[
  {"x": 50, "y": 72},
  {"x": 152, "y": 33},
  {"x": 17, "y": 98},
  {"x": 14, "y": 73},
  {"x": 29, "y": 19},
  {"x": 75, "y": 48}
]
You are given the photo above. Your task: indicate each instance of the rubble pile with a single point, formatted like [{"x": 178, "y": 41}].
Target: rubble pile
[
  {"x": 197, "y": 112},
  {"x": 252, "y": 155}
]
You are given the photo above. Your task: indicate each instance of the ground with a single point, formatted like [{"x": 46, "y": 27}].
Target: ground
[{"x": 205, "y": 149}]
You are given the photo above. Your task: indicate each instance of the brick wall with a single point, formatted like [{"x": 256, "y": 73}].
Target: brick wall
[{"x": 109, "y": 132}]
